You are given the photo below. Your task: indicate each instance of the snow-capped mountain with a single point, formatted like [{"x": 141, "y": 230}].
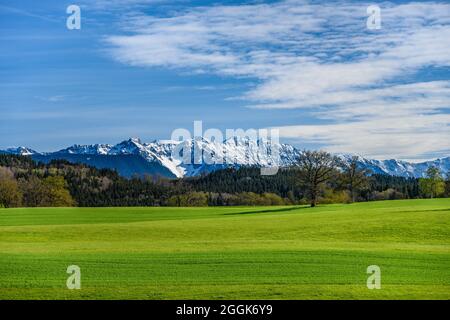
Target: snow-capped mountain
[
  {"x": 194, "y": 157},
  {"x": 398, "y": 167},
  {"x": 22, "y": 151},
  {"x": 94, "y": 149}
]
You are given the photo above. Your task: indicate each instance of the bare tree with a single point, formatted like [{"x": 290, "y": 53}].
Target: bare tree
[
  {"x": 316, "y": 168},
  {"x": 355, "y": 178}
]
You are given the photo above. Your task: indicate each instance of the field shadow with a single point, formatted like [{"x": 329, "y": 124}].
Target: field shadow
[{"x": 264, "y": 211}]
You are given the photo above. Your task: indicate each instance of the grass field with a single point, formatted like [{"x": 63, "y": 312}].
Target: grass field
[{"x": 228, "y": 253}]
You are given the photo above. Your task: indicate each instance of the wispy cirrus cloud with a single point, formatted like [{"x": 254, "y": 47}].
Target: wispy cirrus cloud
[{"x": 321, "y": 58}]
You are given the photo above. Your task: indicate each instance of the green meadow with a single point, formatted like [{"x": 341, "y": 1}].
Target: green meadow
[{"x": 228, "y": 252}]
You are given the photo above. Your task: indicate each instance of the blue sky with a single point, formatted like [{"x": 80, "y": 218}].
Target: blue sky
[{"x": 146, "y": 67}]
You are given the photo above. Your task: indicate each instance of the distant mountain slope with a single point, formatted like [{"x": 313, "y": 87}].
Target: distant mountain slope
[
  {"x": 19, "y": 151},
  {"x": 164, "y": 157},
  {"x": 400, "y": 168},
  {"x": 126, "y": 165}
]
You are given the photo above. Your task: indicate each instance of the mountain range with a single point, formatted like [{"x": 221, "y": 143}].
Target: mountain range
[{"x": 169, "y": 158}]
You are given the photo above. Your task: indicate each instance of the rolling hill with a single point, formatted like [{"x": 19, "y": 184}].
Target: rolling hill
[{"x": 228, "y": 252}]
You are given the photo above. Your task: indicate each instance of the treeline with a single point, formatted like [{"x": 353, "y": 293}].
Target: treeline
[
  {"x": 317, "y": 179},
  {"x": 286, "y": 184},
  {"x": 248, "y": 179},
  {"x": 203, "y": 199},
  {"x": 60, "y": 183}
]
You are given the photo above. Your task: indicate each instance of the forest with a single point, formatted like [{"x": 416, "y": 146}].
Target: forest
[{"x": 318, "y": 178}]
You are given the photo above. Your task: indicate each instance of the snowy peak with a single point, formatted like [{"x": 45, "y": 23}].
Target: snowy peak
[
  {"x": 400, "y": 168},
  {"x": 130, "y": 146},
  {"x": 21, "y": 151},
  {"x": 101, "y": 149}
]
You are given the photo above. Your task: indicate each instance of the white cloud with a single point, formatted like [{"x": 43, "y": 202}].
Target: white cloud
[
  {"x": 319, "y": 57},
  {"x": 401, "y": 137}
]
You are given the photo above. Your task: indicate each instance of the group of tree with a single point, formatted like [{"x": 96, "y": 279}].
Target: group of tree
[
  {"x": 60, "y": 183},
  {"x": 33, "y": 190},
  {"x": 321, "y": 177},
  {"x": 318, "y": 177},
  {"x": 434, "y": 185},
  {"x": 319, "y": 168},
  {"x": 202, "y": 199}
]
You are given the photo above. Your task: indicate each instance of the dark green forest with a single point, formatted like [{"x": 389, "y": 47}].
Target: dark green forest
[{"x": 25, "y": 183}]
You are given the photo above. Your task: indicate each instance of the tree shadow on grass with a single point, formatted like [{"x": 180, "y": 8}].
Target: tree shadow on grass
[{"x": 265, "y": 211}]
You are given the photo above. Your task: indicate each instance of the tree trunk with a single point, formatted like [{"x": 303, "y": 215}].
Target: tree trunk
[{"x": 313, "y": 197}]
